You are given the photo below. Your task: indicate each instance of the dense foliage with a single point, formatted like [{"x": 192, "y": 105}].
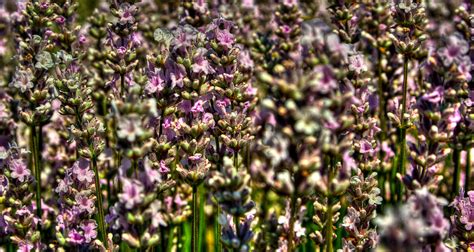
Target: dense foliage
[{"x": 228, "y": 125}]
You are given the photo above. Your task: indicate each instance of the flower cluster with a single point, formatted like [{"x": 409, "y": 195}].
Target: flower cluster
[{"x": 199, "y": 125}]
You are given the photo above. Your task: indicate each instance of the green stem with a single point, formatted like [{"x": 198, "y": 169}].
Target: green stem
[
  {"x": 122, "y": 85},
  {"x": 237, "y": 226},
  {"x": 169, "y": 247},
  {"x": 217, "y": 230},
  {"x": 457, "y": 171},
  {"x": 107, "y": 144},
  {"x": 468, "y": 170},
  {"x": 292, "y": 222},
  {"x": 402, "y": 130},
  {"x": 195, "y": 225},
  {"x": 329, "y": 213},
  {"x": 35, "y": 149},
  {"x": 100, "y": 208},
  {"x": 202, "y": 217},
  {"x": 383, "y": 124}
]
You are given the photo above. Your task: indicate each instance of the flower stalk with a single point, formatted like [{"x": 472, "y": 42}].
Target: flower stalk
[
  {"x": 457, "y": 171},
  {"x": 36, "y": 162},
  {"x": 402, "y": 141},
  {"x": 195, "y": 221},
  {"x": 100, "y": 207},
  {"x": 291, "y": 233}
]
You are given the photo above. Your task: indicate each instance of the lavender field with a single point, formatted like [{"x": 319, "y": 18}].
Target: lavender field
[{"x": 236, "y": 125}]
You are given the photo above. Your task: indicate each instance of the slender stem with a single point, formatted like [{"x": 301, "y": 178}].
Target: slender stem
[
  {"x": 217, "y": 230},
  {"x": 236, "y": 160},
  {"x": 169, "y": 247},
  {"x": 100, "y": 208},
  {"x": 329, "y": 213},
  {"x": 292, "y": 222},
  {"x": 237, "y": 226},
  {"x": 37, "y": 170},
  {"x": 457, "y": 171},
  {"x": 383, "y": 124},
  {"x": 202, "y": 217},
  {"x": 195, "y": 226},
  {"x": 402, "y": 130},
  {"x": 218, "y": 150},
  {"x": 122, "y": 85},
  {"x": 468, "y": 170},
  {"x": 107, "y": 144}
]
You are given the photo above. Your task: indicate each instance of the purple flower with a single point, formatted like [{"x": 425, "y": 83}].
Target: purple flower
[
  {"x": 89, "y": 228},
  {"x": 225, "y": 38},
  {"x": 465, "y": 209},
  {"x": 84, "y": 203},
  {"x": 121, "y": 51},
  {"x": 60, "y": 20},
  {"x": 286, "y": 30},
  {"x": 208, "y": 119},
  {"x": 434, "y": 96},
  {"x": 465, "y": 67},
  {"x": 136, "y": 39},
  {"x": 168, "y": 128},
  {"x": 201, "y": 65},
  {"x": 82, "y": 39},
  {"x": 75, "y": 237},
  {"x": 126, "y": 14},
  {"x": 290, "y": 3},
  {"x": 366, "y": 147},
  {"x": 454, "y": 50},
  {"x": 351, "y": 220},
  {"x": 325, "y": 81},
  {"x": 163, "y": 168},
  {"x": 245, "y": 60},
  {"x": 25, "y": 247},
  {"x": 198, "y": 107},
  {"x": 357, "y": 64},
  {"x": 82, "y": 171},
  {"x": 3, "y": 185},
  {"x": 453, "y": 118},
  {"x": 220, "y": 106},
  {"x": 195, "y": 158},
  {"x": 19, "y": 170},
  {"x": 150, "y": 176},
  {"x": 132, "y": 193},
  {"x": 348, "y": 164},
  {"x": 156, "y": 82},
  {"x": 130, "y": 128}
]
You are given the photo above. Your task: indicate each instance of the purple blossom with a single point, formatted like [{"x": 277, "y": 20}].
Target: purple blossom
[
  {"x": 198, "y": 107},
  {"x": 156, "y": 82},
  {"x": 357, "y": 64},
  {"x": 25, "y": 247},
  {"x": 89, "y": 229},
  {"x": 84, "y": 203},
  {"x": 325, "y": 81},
  {"x": 82, "y": 171},
  {"x": 201, "y": 65},
  {"x": 465, "y": 209},
  {"x": 434, "y": 96},
  {"x": 366, "y": 147},
  {"x": 19, "y": 170},
  {"x": 454, "y": 51},
  {"x": 132, "y": 193},
  {"x": 75, "y": 237},
  {"x": 225, "y": 39},
  {"x": 3, "y": 185},
  {"x": 163, "y": 168}
]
